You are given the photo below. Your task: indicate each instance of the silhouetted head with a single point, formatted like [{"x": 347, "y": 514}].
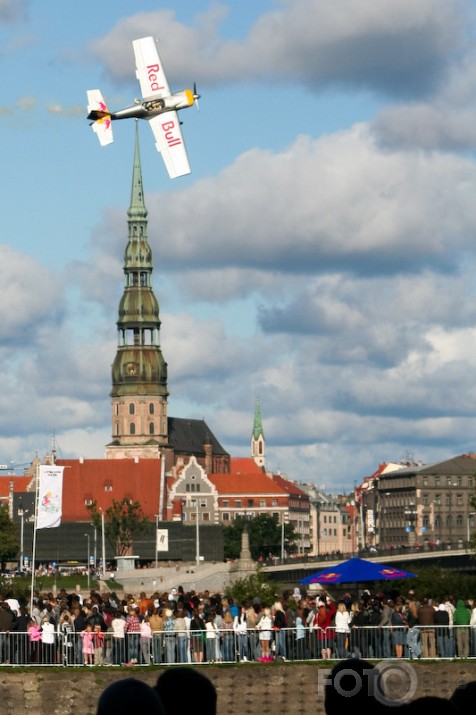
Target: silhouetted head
[
  {"x": 353, "y": 684},
  {"x": 127, "y": 696},
  {"x": 464, "y": 696},
  {"x": 184, "y": 689}
]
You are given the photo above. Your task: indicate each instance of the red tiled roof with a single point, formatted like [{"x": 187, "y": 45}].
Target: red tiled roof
[
  {"x": 139, "y": 481},
  {"x": 244, "y": 465},
  {"x": 251, "y": 484},
  {"x": 288, "y": 487},
  {"x": 20, "y": 484}
]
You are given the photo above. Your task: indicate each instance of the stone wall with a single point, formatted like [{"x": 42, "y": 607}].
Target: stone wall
[{"x": 247, "y": 689}]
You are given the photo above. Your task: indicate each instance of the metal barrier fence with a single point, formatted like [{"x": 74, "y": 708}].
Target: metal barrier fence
[{"x": 227, "y": 646}]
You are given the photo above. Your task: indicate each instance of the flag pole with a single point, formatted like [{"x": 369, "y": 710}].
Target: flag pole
[{"x": 37, "y": 484}]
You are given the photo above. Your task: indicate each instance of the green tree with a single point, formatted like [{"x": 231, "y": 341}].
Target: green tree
[
  {"x": 246, "y": 589},
  {"x": 9, "y": 544},
  {"x": 123, "y": 521},
  {"x": 265, "y": 536}
]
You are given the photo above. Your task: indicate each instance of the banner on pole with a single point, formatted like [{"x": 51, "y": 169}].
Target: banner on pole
[
  {"x": 50, "y": 497},
  {"x": 162, "y": 540}
]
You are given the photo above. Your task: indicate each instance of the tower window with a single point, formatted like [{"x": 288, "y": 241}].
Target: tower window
[
  {"x": 116, "y": 428},
  {"x": 132, "y": 408},
  {"x": 151, "y": 408},
  {"x": 132, "y": 428},
  {"x": 151, "y": 428}
]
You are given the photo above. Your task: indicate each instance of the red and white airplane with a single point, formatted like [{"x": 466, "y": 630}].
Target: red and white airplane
[{"x": 158, "y": 106}]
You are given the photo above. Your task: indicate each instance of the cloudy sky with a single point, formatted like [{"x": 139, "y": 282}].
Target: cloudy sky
[{"x": 321, "y": 255}]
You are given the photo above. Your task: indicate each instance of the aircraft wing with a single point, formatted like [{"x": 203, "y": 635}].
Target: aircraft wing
[
  {"x": 99, "y": 113},
  {"x": 149, "y": 71},
  {"x": 169, "y": 141}
]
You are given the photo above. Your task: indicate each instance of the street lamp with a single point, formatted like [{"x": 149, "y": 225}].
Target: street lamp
[
  {"x": 284, "y": 520},
  {"x": 87, "y": 562},
  {"x": 197, "y": 533},
  {"x": 103, "y": 545},
  {"x": 156, "y": 544},
  {"x": 21, "y": 513},
  {"x": 469, "y": 523}
]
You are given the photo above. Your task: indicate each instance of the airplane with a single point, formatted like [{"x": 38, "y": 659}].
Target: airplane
[{"x": 158, "y": 106}]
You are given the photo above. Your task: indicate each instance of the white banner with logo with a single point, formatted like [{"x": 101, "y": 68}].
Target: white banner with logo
[
  {"x": 162, "y": 540},
  {"x": 50, "y": 497}
]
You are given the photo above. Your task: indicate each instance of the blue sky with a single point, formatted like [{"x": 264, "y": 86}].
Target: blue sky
[{"x": 320, "y": 255}]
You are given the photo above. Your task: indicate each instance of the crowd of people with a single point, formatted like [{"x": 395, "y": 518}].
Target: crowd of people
[{"x": 189, "y": 627}]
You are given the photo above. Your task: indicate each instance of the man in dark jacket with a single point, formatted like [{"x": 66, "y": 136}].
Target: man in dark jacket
[
  {"x": 426, "y": 621},
  {"x": 7, "y": 624}
]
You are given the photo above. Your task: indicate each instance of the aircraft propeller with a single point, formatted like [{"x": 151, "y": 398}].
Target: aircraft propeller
[{"x": 196, "y": 96}]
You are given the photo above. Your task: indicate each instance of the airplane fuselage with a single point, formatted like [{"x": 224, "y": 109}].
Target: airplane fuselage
[{"x": 150, "y": 107}]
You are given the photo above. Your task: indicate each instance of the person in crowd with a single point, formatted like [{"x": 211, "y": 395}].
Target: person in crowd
[
  {"x": 322, "y": 626},
  {"x": 65, "y": 633},
  {"x": 87, "y": 637},
  {"x": 181, "y": 688},
  {"x": 279, "y": 628},
  {"x": 461, "y": 621},
  {"x": 385, "y": 625},
  {"x": 442, "y": 624},
  {"x": 133, "y": 634},
  {"x": 342, "y": 628},
  {"x": 98, "y": 644},
  {"x": 426, "y": 622},
  {"x": 399, "y": 629},
  {"x": 264, "y": 627},
  {"x": 413, "y": 642},
  {"x": 227, "y": 637},
  {"x": 170, "y": 636},
  {"x": 197, "y": 633},
  {"x": 127, "y": 696},
  {"x": 240, "y": 627},
  {"x": 182, "y": 625},
  {"x": 118, "y": 627},
  {"x": 300, "y": 641},
  {"x": 157, "y": 628},
  {"x": 48, "y": 641}
]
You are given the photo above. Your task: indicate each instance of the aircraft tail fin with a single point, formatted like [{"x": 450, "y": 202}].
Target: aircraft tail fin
[{"x": 100, "y": 117}]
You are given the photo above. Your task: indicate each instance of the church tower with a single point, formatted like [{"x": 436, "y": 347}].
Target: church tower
[
  {"x": 139, "y": 372},
  {"x": 257, "y": 438}
]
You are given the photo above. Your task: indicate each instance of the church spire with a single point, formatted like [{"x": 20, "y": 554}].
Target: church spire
[
  {"x": 139, "y": 372},
  {"x": 257, "y": 437}
]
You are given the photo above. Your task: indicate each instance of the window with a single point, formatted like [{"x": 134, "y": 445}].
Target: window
[
  {"x": 262, "y": 502},
  {"x": 151, "y": 408},
  {"x": 425, "y": 499},
  {"x": 437, "y": 481},
  {"x": 132, "y": 408},
  {"x": 425, "y": 481},
  {"x": 88, "y": 502},
  {"x": 151, "y": 428},
  {"x": 448, "y": 481},
  {"x": 225, "y": 516},
  {"x": 205, "y": 516},
  {"x": 250, "y": 502},
  {"x": 425, "y": 521},
  {"x": 238, "y": 502},
  {"x": 132, "y": 428},
  {"x": 438, "y": 499},
  {"x": 459, "y": 499},
  {"x": 459, "y": 520},
  {"x": 470, "y": 481},
  {"x": 274, "y": 502},
  {"x": 225, "y": 502}
]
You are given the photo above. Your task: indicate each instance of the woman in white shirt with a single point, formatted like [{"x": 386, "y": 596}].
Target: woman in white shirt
[{"x": 342, "y": 629}]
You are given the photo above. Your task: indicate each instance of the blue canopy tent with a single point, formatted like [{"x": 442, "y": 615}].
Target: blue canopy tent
[{"x": 356, "y": 571}]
